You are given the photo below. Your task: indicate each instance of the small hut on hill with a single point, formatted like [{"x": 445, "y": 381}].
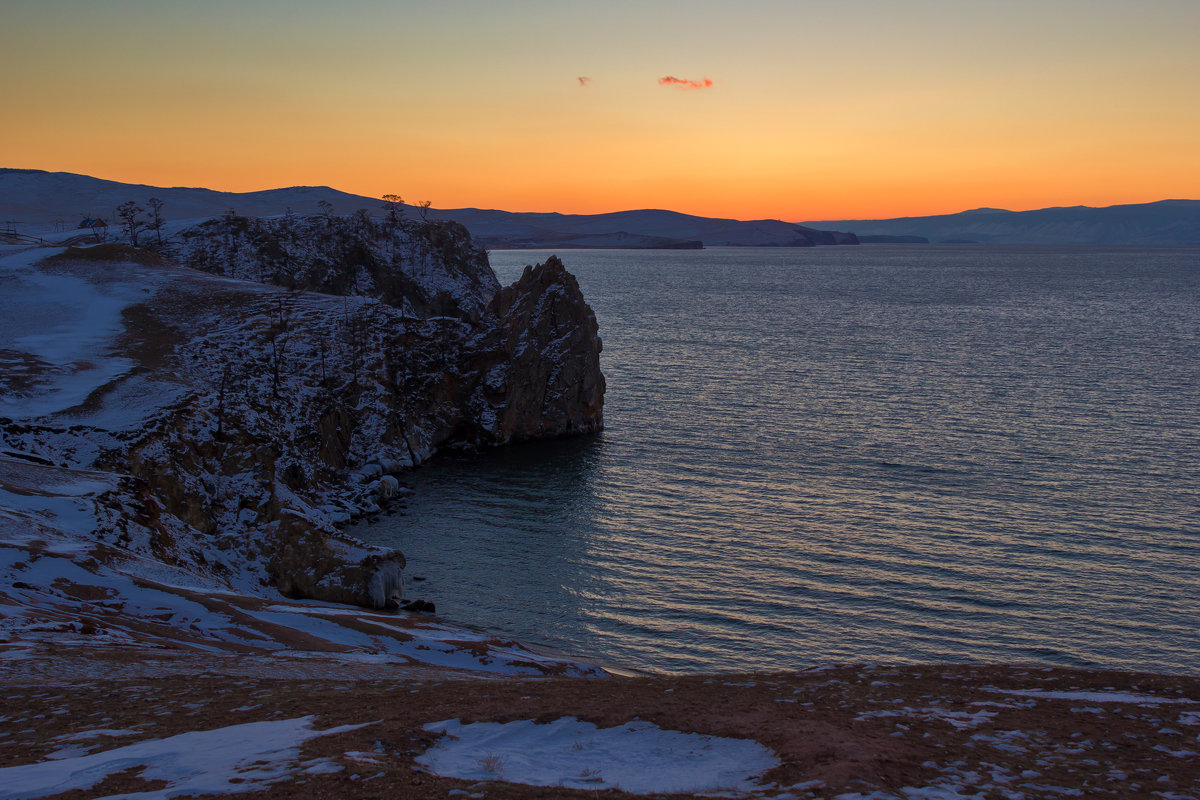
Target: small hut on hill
[{"x": 97, "y": 226}]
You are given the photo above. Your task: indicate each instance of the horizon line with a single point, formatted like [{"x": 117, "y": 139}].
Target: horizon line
[{"x": 982, "y": 209}]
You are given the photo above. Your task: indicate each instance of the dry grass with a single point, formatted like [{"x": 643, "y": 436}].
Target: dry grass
[
  {"x": 21, "y": 372},
  {"x": 107, "y": 253}
]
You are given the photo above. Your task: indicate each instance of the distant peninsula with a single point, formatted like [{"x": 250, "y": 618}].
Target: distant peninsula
[
  {"x": 1165, "y": 223},
  {"x": 646, "y": 228}
]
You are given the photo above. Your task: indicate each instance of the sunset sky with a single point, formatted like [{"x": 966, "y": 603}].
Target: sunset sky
[{"x": 793, "y": 110}]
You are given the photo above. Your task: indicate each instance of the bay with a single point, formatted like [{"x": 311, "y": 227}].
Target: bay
[{"x": 847, "y": 454}]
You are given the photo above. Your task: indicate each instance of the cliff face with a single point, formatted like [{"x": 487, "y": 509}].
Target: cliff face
[
  {"x": 549, "y": 348},
  {"x": 466, "y": 362},
  {"x": 279, "y": 406}
]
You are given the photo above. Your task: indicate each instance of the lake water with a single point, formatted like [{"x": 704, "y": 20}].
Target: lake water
[{"x": 848, "y": 454}]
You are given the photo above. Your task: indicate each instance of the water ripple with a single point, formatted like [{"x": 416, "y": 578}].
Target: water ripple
[{"x": 850, "y": 454}]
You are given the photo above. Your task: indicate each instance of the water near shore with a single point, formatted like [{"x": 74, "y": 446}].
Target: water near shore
[{"x": 881, "y": 453}]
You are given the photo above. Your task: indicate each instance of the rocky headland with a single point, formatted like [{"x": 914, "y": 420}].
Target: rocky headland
[{"x": 208, "y": 412}]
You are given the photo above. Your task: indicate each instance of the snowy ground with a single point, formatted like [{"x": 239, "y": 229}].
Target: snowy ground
[
  {"x": 232, "y": 759},
  {"x": 58, "y": 331},
  {"x": 637, "y": 757},
  {"x": 186, "y": 724}
]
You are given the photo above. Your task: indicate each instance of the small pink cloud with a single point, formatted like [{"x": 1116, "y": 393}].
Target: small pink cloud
[
  {"x": 583, "y": 80},
  {"x": 680, "y": 83}
]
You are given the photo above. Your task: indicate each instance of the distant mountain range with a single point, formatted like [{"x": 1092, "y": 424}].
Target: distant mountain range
[
  {"x": 1167, "y": 222},
  {"x": 39, "y": 198},
  {"x": 36, "y": 197}
]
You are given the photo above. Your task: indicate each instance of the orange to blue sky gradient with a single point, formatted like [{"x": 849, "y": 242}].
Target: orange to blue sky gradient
[{"x": 797, "y": 110}]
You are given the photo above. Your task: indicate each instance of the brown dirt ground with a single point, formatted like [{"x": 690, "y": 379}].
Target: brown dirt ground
[{"x": 824, "y": 725}]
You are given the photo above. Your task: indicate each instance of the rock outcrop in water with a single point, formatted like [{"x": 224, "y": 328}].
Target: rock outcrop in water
[
  {"x": 277, "y": 400},
  {"x": 549, "y": 364}
]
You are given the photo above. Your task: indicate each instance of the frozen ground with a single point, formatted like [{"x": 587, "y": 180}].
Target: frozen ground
[
  {"x": 372, "y": 731},
  {"x": 233, "y": 759}
]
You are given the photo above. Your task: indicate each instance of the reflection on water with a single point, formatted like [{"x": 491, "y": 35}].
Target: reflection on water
[{"x": 849, "y": 454}]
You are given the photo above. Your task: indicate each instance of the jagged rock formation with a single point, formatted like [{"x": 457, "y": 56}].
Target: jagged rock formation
[
  {"x": 283, "y": 410},
  {"x": 467, "y": 362},
  {"x": 549, "y": 373}
]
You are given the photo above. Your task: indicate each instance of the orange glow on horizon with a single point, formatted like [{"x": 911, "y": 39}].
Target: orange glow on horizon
[{"x": 545, "y": 107}]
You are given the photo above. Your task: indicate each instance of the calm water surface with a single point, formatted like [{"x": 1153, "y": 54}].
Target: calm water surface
[{"x": 883, "y": 453}]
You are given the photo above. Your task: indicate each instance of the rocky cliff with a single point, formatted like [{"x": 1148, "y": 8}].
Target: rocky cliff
[
  {"x": 467, "y": 362},
  {"x": 263, "y": 400},
  {"x": 425, "y": 269}
]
